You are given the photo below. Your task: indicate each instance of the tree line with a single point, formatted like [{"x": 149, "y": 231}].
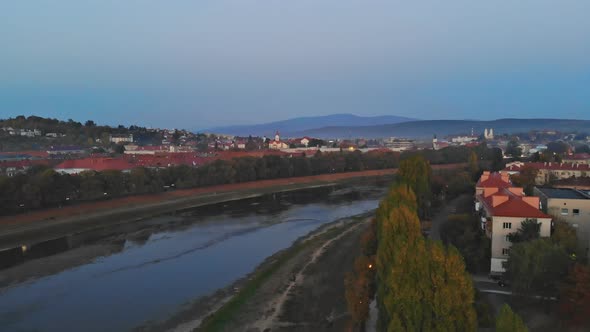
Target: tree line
[
  {"x": 421, "y": 285},
  {"x": 41, "y": 187}
]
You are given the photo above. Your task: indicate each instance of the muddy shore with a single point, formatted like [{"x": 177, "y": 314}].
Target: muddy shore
[
  {"x": 270, "y": 296},
  {"x": 27, "y": 229}
]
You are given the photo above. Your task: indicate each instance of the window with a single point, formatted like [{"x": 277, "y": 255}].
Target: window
[
  {"x": 507, "y": 225},
  {"x": 576, "y": 212},
  {"x": 575, "y": 225},
  {"x": 507, "y": 238},
  {"x": 506, "y": 251},
  {"x": 564, "y": 212}
]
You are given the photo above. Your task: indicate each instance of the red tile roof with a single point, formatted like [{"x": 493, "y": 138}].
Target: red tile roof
[
  {"x": 96, "y": 164},
  {"x": 513, "y": 207},
  {"x": 550, "y": 166},
  {"x": 578, "y": 156},
  {"x": 494, "y": 181}
]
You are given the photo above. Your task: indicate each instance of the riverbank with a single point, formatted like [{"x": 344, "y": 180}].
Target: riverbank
[
  {"x": 45, "y": 225},
  {"x": 300, "y": 288}
]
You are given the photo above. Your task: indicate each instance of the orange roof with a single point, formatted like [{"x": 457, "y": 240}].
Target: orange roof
[
  {"x": 494, "y": 181},
  {"x": 96, "y": 164},
  {"x": 514, "y": 206}
]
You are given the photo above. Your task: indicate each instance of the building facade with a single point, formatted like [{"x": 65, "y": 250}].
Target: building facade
[
  {"x": 502, "y": 208},
  {"x": 570, "y": 205}
]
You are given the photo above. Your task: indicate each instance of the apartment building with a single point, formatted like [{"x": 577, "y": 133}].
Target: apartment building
[
  {"x": 502, "y": 208},
  {"x": 570, "y": 205},
  {"x": 548, "y": 171}
]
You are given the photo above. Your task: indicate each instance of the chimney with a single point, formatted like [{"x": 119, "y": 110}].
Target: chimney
[
  {"x": 489, "y": 191},
  {"x": 497, "y": 200},
  {"x": 532, "y": 201}
]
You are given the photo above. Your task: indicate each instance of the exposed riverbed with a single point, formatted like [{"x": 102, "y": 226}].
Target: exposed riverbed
[{"x": 119, "y": 278}]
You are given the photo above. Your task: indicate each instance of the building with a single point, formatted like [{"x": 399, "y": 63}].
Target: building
[
  {"x": 277, "y": 144},
  {"x": 578, "y": 158},
  {"x": 55, "y": 151},
  {"x": 400, "y": 144},
  {"x": 488, "y": 134},
  {"x": 118, "y": 138},
  {"x": 437, "y": 145},
  {"x": 570, "y": 205},
  {"x": 550, "y": 171},
  {"x": 464, "y": 139},
  {"x": 502, "y": 208},
  {"x": 77, "y": 166}
]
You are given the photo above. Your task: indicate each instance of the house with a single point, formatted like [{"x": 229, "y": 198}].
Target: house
[
  {"x": 118, "y": 138},
  {"x": 65, "y": 150},
  {"x": 437, "y": 145},
  {"x": 77, "y": 166},
  {"x": 502, "y": 208},
  {"x": 549, "y": 171},
  {"x": 579, "y": 158},
  {"x": 400, "y": 144},
  {"x": 277, "y": 144},
  {"x": 570, "y": 205}
]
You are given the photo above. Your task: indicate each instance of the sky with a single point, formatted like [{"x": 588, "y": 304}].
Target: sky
[{"x": 198, "y": 64}]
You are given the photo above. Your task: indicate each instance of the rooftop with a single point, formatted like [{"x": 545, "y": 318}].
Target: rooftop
[{"x": 564, "y": 193}]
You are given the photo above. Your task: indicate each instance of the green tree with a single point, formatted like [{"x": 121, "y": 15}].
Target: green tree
[
  {"x": 513, "y": 149},
  {"x": 416, "y": 173},
  {"x": 536, "y": 267},
  {"x": 473, "y": 165},
  {"x": 508, "y": 321},
  {"x": 565, "y": 235},
  {"x": 529, "y": 230}
]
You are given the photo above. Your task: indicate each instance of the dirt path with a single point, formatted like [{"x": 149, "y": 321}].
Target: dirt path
[
  {"x": 307, "y": 292},
  {"x": 275, "y": 306}
]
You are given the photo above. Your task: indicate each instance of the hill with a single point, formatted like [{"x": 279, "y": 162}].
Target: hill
[
  {"x": 292, "y": 126},
  {"x": 426, "y": 129}
]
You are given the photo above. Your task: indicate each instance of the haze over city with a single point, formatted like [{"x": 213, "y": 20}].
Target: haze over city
[
  {"x": 308, "y": 165},
  {"x": 198, "y": 64}
]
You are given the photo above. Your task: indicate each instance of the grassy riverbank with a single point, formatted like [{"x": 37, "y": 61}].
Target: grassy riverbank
[{"x": 46, "y": 225}]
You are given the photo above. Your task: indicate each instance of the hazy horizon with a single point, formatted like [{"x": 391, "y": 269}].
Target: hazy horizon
[{"x": 217, "y": 63}]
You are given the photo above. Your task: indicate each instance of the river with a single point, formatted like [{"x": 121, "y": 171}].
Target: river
[{"x": 156, "y": 266}]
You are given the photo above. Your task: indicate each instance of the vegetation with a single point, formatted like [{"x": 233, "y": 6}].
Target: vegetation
[
  {"x": 70, "y": 133},
  {"x": 508, "y": 321},
  {"x": 529, "y": 230},
  {"x": 536, "y": 268},
  {"x": 574, "y": 305},
  {"x": 464, "y": 232},
  {"x": 513, "y": 149},
  {"x": 526, "y": 179},
  {"x": 359, "y": 285},
  {"x": 421, "y": 285}
]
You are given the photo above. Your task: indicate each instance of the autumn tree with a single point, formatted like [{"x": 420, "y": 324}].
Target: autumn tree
[
  {"x": 422, "y": 285},
  {"x": 526, "y": 178},
  {"x": 416, "y": 173},
  {"x": 509, "y": 321},
  {"x": 574, "y": 302}
]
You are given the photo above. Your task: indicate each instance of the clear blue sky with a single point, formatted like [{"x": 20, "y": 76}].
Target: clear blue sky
[{"x": 200, "y": 63}]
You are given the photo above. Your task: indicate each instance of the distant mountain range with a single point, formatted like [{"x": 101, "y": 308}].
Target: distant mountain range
[
  {"x": 428, "y": 128},
  {"x": 292, "y": 126}
]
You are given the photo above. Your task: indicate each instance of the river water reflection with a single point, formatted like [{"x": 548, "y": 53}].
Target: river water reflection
[{"x": 162, "y": 263}]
